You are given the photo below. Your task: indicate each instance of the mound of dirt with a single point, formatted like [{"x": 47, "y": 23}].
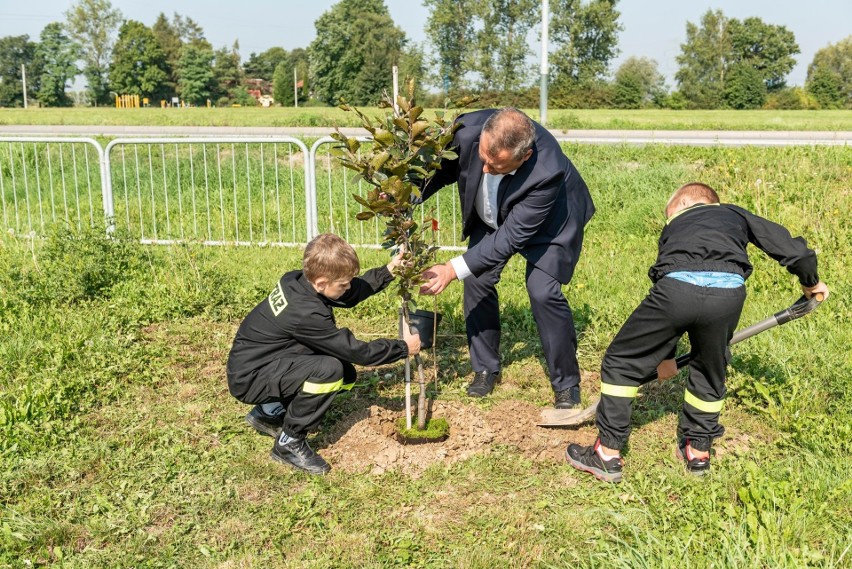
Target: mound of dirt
[{"x": 364, "y": 441}]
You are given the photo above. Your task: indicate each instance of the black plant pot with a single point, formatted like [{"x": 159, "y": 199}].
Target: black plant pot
[{"x": 423, "y": 322}]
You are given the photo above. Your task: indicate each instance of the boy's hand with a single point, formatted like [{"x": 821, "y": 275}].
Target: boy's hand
[
  {"x": 667, "y": 369},
  {"x": 411, "y": 340},
  {"x": 397, "y": 260},
  {"x": 818, "y": 289}
]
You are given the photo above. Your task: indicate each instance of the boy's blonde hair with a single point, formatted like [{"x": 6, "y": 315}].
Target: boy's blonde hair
[
  {"x": 328, "y": 256},
  {"x": 693, "y": 193}
]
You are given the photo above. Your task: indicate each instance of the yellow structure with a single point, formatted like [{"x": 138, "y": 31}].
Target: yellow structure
[{"x": 127, "y": 102}]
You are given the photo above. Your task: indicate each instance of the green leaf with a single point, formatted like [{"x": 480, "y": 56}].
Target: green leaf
[{"x": 383, "y": 137}]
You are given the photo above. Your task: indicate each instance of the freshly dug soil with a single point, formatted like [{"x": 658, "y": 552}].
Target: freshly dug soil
[{"x": 365, "y": 440}]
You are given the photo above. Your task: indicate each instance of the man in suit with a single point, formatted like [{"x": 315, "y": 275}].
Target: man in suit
[{"x": 519, "y": 194}]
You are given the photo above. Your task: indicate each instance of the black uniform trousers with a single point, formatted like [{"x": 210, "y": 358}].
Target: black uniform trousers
[
  {"x": 709, "y": 316},
  {"x": 552, "y": 314},
  {"x": 305, "y": 386}
]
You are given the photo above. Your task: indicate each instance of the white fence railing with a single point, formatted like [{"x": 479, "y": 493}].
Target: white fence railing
[
  {"x": 48, "y": 180},
  {"x": 236, "y": 190}
]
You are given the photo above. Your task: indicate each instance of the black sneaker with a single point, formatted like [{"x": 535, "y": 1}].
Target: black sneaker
[
  {"x": 299, "y": 455},
  {"x": 694, "y": 465},
  {"x": 269, "y": 425},
  {"x": 568, "y": 398},
  {"x": 588, "y": 460},
  {"x": 483, "y": 383}
]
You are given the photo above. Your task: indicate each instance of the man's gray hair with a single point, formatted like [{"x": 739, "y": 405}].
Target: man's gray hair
[{"x": 509, "y": 129}]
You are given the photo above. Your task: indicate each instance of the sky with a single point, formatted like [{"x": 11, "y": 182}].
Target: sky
[{"x": 652, "y": 28}]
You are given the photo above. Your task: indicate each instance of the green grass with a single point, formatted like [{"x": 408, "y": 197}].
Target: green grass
[
  {"x": 121, "y": 447},
  {"x": 650, "y": 119}
]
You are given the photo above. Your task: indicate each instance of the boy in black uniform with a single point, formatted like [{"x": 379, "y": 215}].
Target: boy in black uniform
[
  {"x": 290, "y": 359},
  {"x": 698, "y": 289}
]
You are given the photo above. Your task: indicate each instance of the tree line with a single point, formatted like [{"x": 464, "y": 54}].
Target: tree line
[{"x": 481, "y": 47}]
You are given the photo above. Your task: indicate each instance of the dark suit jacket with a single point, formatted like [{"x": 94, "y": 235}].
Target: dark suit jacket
[{"x": 541, "y": 211}]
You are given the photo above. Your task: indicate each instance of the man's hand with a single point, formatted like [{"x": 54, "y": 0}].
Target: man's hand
[
  {"x": 397, "y": 260},
  {"x": 818, "y": 289},
  {"x": 437, "y": 279},
  {"x": 411, "y": 340},
  {"x": 667, "y": 369}
]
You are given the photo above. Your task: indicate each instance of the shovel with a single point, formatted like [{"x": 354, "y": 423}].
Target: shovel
[{"x": 568, "y": 417}]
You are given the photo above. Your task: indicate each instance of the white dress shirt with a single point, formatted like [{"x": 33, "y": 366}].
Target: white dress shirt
[{"x": 486, "y": 208}]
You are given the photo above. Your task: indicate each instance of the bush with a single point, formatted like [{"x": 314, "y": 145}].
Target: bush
[
  {"x": 794, "y": 98},
  {"x": 79, "y": 265}
]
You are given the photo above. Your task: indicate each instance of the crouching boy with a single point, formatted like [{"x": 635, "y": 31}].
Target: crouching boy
[
  {"x": 699, "y": 290},
  {"x": 291, "y": 360}
]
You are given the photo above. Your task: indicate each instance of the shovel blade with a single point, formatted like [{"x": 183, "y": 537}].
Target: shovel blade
[{"x": 568, "y": 417}]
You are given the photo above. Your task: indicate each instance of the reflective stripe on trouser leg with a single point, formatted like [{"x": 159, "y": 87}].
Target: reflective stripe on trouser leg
[
  {"x": 320, "y": 388},
  {"x": 701, "y": 405},
  {"x": 614, "y": 410},
  {"x": 619, "y": 390},
  {"x": 328, "y": 378}
]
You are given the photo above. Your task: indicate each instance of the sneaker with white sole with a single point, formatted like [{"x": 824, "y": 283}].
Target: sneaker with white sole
[
  {"x": 588, "y": 459},
  {"x": 697, "y": 466},
  {"x": 298, "y": 454}
]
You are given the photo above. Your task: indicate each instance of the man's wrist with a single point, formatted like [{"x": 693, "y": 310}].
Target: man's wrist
[{"x": 460, "y": 268}]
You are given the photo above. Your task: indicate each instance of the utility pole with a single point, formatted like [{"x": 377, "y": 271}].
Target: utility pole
[
  {"x": 542, "y": 102},
  {"x": 295, "y": 88},
  {"x": 24, "y": 81}
]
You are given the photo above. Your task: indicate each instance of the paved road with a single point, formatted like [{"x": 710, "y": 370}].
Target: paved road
[{"x": 680, "y": 137}]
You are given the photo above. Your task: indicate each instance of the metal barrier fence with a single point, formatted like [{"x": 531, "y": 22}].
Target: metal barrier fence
[
  {"x": 48, "y": 180},
  {"x": 235, "y": 190},
  {"x": 211, "y": 190}
]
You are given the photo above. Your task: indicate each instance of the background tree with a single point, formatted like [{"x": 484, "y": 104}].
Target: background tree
[
  {"x": 300, "y": 59},
  {"x": 169, "y": 40},
  {"x": 450, "y": 29},
  {"x": 585, "y": 37},
  {"x": 501, "y": 45},
  {"x": 704, "y": 60},
  {"x": 830, "y": 75},
  {"x": 745, "y": 87},
  {"x": 767, "y": 48},
  {"x": 264, "y": 65},
  {"x": 638, "y": 83},
  {"x": 57, "y": 56},
  {"x": 282, "y": 84},
  {"x": 14, "y": 52},
  {"x": 92, "y": 25},
  {"x": 195, "y": 73},
  {"x": 172, "y": 37},
  {"x": 227, "y": 72},
  {"x": 355, "y": 48},
  {"x": 138, "y": 65}
]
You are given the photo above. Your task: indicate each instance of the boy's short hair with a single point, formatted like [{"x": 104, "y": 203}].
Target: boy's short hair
[
  {"x": 694, "y": 192},
  {"x": 331, "y": 257}
]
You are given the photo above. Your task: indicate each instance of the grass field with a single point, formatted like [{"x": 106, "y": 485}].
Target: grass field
[
  {"x": 557, "y": 118},
  {"x": 121, "y": 447}
]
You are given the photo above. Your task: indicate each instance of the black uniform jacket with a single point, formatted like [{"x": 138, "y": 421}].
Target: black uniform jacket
[
  {"x": 715, "y": 238},
  {"x": 295, "y": 320},
  {"x": 542, "y": 209}
]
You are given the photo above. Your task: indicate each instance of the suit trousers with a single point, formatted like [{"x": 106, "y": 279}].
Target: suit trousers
[
  {"x": 305, "y": 386},
  {"x": 672, "y": 308},
  {"x": 552, "y": 314}
]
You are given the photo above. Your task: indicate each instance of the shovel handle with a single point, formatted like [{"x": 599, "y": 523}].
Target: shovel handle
[{"x": 798, "y": 309}]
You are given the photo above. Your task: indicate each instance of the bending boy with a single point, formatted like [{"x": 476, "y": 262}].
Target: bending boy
[
  {"x": 699, "y": 290},
  {"x": 291, "y": 360}
]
